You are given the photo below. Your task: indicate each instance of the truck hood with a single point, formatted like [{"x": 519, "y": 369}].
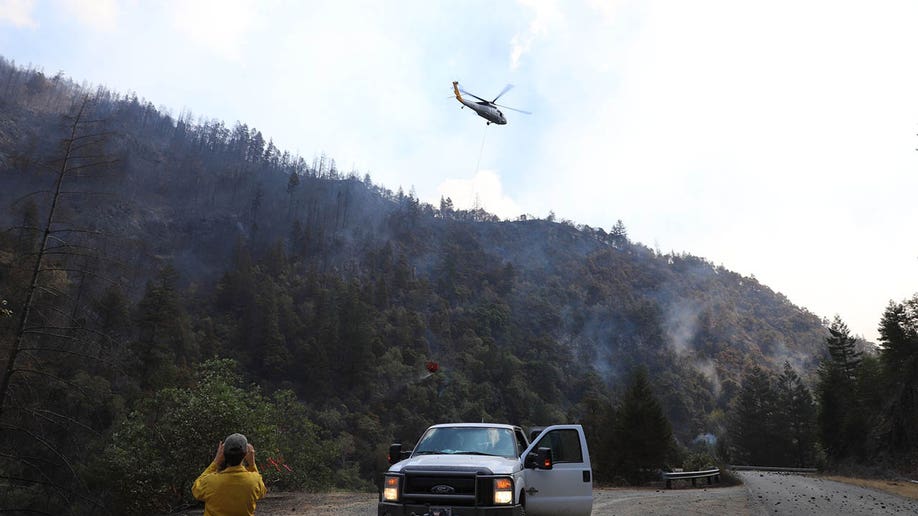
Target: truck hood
[{"x": 497, "y": 465}]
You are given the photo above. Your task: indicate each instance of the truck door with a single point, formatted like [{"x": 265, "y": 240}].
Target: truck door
[{"x": 567, "y": 488}]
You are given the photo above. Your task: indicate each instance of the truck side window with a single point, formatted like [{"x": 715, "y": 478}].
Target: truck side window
[
  {"x": 521, "y": 443},
  {"x": 564, "y": 444}
]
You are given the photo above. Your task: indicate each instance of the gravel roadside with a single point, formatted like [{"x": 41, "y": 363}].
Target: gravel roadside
[{"x": 807, "y": 495}]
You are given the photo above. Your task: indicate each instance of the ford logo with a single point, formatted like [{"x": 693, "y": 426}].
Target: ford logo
[{"x": 442, "y": 489}]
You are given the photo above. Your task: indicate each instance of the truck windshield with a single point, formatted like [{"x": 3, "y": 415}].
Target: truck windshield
[{"x": 468, "y": 440}]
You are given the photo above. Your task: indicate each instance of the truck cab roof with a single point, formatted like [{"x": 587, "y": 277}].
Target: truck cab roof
[{"x": 476, "y": 425}]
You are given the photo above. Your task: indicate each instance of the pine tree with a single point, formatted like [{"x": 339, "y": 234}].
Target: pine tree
[
  {"x": 165, "y": 344},
  {"x": 292, "y": 183},
  {"x": 753, "y": 420},
  {"x": 618, "y": 235},
  {"x": 596, "y": 413},
  {"x": 842, "y": 417},
  {"x": 899, "y": 356},
  {"x": 113, "y": 312},
  {"x": 796, "y": 418},
  {"x": 641, "y": 433},
  {"x": 446, "y": 206},
  {"x": 52, "y": 404},
  {"x": 842, "y": 348},
  {"x": 834, "y": 397}
]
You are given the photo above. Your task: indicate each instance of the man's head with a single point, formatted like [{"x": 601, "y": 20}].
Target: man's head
[{"x": 234, "y": 449}]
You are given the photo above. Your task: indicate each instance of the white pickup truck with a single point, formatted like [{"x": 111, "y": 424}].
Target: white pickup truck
[{"x": 466, "y": 469}]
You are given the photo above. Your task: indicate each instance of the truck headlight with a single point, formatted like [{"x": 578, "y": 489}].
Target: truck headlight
[
  {"x": 390, "y": 489},
  {"x": 503, "y": 491}
]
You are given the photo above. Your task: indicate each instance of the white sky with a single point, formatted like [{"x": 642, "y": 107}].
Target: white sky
[{"x": 776, "y": 138}]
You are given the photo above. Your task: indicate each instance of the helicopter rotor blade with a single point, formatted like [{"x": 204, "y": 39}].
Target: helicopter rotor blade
[
  {"x": 505, "y": 90},
  {"x": 471, "y": 95},
  {"x": 514, "y": 109}
]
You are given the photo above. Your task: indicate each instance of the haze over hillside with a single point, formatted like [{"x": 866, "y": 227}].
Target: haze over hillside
[
  {"x": 192, "y": 191},
  {"x": 689, "y": 122},
  {"x": 183, "y": 240}
]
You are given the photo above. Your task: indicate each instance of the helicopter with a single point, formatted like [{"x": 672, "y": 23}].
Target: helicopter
[{"x": 486, "y": 109}]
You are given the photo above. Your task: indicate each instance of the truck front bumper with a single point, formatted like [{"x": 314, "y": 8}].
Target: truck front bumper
[{"x": 399, "y": 509}]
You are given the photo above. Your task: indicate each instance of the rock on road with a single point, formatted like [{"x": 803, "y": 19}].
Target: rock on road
[{"x": 793, "y": 494}]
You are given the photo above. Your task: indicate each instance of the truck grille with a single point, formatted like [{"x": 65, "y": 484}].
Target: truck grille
[{"x": 452, "y": 486}]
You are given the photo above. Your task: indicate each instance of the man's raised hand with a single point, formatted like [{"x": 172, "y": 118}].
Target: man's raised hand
[{"x": 218, "y": 458}]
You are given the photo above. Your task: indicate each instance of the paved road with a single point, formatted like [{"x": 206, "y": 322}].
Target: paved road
[
  {"x": 763, "y": 494},
  {"x": 793, "y": 494},
  {"x": 683, "y": 502},
  {"x": 606, "y": 502}
]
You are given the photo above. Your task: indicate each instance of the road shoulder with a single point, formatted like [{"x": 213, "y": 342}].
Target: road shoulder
[{"x": 902, "y": 488}]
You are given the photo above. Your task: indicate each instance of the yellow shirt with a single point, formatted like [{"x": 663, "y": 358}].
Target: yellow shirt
[{"x": 230, "y": 492}]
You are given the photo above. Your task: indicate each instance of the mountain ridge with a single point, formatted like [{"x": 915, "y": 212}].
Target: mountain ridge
[{"x": 207, "y": 199}]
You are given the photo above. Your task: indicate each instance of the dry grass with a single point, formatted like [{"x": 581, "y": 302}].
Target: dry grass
[{"x": 898, "y": 487}]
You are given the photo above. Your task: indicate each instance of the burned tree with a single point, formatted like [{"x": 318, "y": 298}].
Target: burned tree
[{"x": 47, "y": 405}]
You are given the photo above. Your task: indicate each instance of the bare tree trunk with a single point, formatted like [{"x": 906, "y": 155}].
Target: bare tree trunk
[{"x": 33, "y": 285}]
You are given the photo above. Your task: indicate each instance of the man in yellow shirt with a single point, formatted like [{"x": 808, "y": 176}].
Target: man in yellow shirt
[{"x": 233, "y": 490}]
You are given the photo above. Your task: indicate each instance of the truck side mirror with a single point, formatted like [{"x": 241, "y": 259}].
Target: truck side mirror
[
  {"x": 539, "y": 459},
  {"x": 395, "y": 453}
]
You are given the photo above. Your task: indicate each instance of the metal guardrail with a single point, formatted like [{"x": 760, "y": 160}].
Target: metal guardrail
[
  {"x": 713, "y": 475},
  {"x": 772, "y": 468}
]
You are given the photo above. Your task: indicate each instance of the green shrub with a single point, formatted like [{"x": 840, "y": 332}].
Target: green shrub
[
  {"x": 698, "y": 461},
  {"x": 162, "y": 446}
]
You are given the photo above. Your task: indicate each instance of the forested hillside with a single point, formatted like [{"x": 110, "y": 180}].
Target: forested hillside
[{"x": 197, "y": 280}]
